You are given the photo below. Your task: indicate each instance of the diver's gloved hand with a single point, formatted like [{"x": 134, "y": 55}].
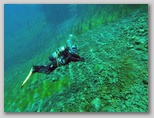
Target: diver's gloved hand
[{"x": 82, "y": 59}]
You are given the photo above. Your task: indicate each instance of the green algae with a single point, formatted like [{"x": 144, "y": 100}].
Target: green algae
[{"x": 103, "y": 15}]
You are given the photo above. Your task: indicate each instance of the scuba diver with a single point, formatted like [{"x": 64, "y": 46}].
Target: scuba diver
[{"x": 60, "y": 57}]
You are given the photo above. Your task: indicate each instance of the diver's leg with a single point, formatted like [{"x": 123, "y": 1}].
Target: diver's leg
[
  {"x": 43, "y": 69},
  {"x": 40, "y": 69}
]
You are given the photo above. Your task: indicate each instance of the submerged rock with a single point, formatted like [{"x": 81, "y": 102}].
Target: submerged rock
[{"x": 96, "y": 104}]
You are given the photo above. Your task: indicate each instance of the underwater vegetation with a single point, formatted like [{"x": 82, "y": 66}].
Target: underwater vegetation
[
  {"x": 113, "y": 78},
  {"x": 99, "y": 15}
]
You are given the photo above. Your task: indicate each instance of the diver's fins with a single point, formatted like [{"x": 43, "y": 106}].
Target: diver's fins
[{"x": 30, "y": 73}]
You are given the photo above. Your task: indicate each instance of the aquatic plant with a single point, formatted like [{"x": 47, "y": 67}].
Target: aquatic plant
[{"x": 103, "y": 15}]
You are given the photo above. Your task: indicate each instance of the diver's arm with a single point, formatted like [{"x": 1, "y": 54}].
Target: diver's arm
[{"x": 75, "y": 57}]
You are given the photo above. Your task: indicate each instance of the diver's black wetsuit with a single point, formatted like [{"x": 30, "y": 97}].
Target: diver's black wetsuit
[{"x": 65, "y": 56}]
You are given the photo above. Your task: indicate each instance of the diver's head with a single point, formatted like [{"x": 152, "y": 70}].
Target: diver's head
[
  {"x": 69, "y": 40},
  {"x": 70, "y": 36},
  {"x": 74, "y": 50}
]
